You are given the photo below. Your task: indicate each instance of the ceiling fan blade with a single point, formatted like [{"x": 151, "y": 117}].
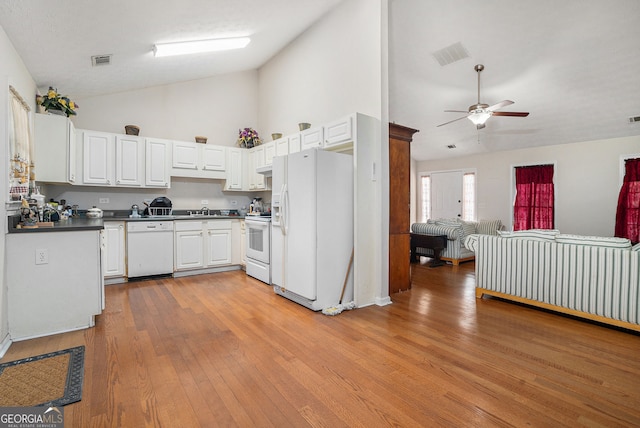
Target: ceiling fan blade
[
  {"x": 456, "y": 111},
  {"x": 500, "y": 105},
  {"x": 454, "y": 120},
  {"x": 510, "y": 113}
]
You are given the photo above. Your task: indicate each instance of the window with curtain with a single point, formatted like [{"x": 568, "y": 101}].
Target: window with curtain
[
  {"x": 628, "y": 212},
  {"x": 20, "y": 147},
  {"x": 534, "y": 202}
]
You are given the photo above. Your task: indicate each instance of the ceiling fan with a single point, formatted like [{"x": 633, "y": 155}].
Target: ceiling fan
[{"x": 479, "y": 113}]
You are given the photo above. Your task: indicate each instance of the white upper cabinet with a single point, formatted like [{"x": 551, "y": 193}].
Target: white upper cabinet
[
  {"x": 198, "y": 160},
  {"x": 282, "y": 146},
  {"x": 312, "y": 137},
  {"x": 98, "y": 158},
  {"x": 213, "y": 158},
  {"x": 269, "y": 152},
  {"x": 129, "y": 161},
  {"x": 259, "y": 159},
  {"x": 157, "y": 160},
  {"x": 185, "y": 155},
  {"x": 338, "y": 133},
  {"x": 294, "y": 143},
  {"x": 55, "y": 149},
  {"x": 235, "y": 168}
]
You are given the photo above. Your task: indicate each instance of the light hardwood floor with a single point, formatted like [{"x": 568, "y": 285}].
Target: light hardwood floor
[{"x": 223, "y": 350}]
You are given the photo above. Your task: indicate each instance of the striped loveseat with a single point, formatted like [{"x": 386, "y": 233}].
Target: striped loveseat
[
  {"x": 456, "y": 231},
  {"x": 592, "y": 277}
]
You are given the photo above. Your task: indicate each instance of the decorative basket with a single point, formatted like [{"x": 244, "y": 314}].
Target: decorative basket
[
  {"x": 304, "y": 126},
  {"x": 200, "y": 139},
  {"x": 132, "y": 129},
  {"x": 276, "y": 136}
]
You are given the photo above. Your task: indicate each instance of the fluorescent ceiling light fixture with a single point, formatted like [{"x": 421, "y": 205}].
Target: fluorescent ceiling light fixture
[
  {"x": 479, "y": 116},
  {"x": 199, "y": 46}
]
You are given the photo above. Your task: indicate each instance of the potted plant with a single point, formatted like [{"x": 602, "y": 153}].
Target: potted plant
[
  {"x": 58, "y": 104},
  {"x": 248, "y": 138}
]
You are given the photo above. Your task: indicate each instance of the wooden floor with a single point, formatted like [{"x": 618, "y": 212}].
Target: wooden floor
[{"x": 223, "y": 350}]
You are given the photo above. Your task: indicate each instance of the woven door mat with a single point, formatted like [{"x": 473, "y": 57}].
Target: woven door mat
[{"x": 53, "y": 379}]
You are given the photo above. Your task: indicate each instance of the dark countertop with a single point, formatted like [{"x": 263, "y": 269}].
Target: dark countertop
[
  {"x": 83, "y": 223},
  {"x": 69, "y": 225}
]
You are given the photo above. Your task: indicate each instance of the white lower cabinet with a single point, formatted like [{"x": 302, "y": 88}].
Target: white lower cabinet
[
  {"x": 189, "y": 242},
  {"x": 243, "y": 244},
  {"x": 218, "y": 242},
  {"x": 114, "y": 249},
  {"x": 202, "y": 244}
]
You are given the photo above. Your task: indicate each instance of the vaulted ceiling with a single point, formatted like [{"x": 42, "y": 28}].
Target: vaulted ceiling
[{"x": 574, "y": 65}]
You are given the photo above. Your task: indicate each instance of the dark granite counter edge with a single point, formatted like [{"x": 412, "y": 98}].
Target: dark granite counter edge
[
  {"x": 69, "y": 225},
  {"x": 82, "y": 223}
]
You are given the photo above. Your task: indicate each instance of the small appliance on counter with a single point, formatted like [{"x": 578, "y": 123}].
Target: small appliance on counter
[
  {"x": 134, "y": 211},
  {"x": 94, "y": 212},
  {"x": 256, "y": 207},
  {"x": 159, "y": 207}
]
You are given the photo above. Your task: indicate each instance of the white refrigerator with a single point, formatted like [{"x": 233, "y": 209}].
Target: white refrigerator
[{"x": 312, "y": 227}]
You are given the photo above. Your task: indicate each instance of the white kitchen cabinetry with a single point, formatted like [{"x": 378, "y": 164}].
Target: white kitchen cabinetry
[
  {"x": 202, "y": 244},
  {"x": 256, "y": 160},
  {"x": 243, "y": 244},
  {"x": 157, "y": 162},
  {"x": 60, "y": 295},
  {"x": 235, "y": 171},
  {"x": 98, "y": 158},
  {"x": 114, "y": 249},
  {"x": 338, "y": 133},
  {"x": 185, "y": 156},
  {"x": 189, "y": 242},
  {"x": 198, "y": 160},
  {"x": 237, "y": 235},
  {"x": 282, "y": 147},
  {"x": 269, "y": 152},
  {"x": 55, "y": 149},
  {"x": 129, "y": 161},
  {"x": 213, "y": 158},
  {"x": 218, "y": 246},
  {"x": 294, "y": 143},
  {"x": 312, "y": 137}
]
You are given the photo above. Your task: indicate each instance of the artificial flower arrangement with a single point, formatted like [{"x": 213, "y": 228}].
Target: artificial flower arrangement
[
  {"x": 54, "y": 101},
  {"x": 248, "y": 137}
]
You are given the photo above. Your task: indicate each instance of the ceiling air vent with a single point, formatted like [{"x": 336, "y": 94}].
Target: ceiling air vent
[
  {"x": 451, "y": 54},
  {"x": 451, "y": 146},
  {"x": 634, "y": 119},
  {"x": 97, "y": 60}
]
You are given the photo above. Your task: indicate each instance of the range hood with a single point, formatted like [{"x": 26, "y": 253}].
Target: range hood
[{"x": 264, "y": 170}]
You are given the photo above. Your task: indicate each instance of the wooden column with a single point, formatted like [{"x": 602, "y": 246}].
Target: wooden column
[{"x": 400, "y": 138}]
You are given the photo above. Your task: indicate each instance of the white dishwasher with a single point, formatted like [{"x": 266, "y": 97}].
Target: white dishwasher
[{"x": 149, "y": 248}]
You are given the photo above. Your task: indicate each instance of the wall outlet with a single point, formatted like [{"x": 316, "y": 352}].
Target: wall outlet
[
  {"x": 42, "y": 256},
  {"x": 204, "y": 202},
  {"x": 104, "y": 200}
]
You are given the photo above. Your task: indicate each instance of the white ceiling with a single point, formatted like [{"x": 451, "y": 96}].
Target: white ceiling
[{"x": 573, "y": 64}]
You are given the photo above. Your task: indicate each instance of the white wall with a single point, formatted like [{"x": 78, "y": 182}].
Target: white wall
[
  {"x": 330, "y": 71},
  {"x": 337, "y": 67},
  {"x": 12, "y": 72},
  {"x": 214, "y": 107},
  {"x": 586, "y": 177}
]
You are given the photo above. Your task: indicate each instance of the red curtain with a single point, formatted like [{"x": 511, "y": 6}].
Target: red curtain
[
  {"x": 628, "y": 213},
  {"x": 533, "y": 207}
]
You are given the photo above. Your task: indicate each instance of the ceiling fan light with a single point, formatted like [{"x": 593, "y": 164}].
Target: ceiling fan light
[
  {"x": 199, "y": 46},
  {"x": 479, "y": 117}
]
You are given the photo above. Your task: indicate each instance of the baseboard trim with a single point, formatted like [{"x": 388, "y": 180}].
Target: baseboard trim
[
  {"x": 383, "y": 301},
  {"x": 4, "y": 345}
]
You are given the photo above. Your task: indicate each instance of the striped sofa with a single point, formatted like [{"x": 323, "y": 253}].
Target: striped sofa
[
  {"x": 456, "y": 231},
  {"x": 591, "y": 277}
]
